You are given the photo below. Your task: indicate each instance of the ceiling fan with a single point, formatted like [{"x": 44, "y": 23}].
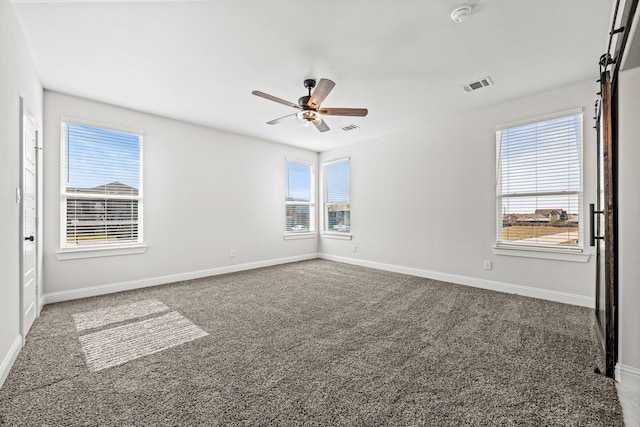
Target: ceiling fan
[{"x": 309, "y": 105}]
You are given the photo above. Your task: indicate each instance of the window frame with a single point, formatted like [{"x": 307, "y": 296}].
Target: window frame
[
  {"x": 311, "y": 232},
  {"x": 568, "y": 253},
  {"x": 66, "y": 251},
  {"x": 326, "y": 232}
]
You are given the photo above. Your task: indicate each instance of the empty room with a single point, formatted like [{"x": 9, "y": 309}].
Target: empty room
[{"x": 340, "y": 213}]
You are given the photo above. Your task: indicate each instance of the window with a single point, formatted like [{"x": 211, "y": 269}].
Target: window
[
  {"x": 101, "y": 186},
  {"x": 539, "y": 184},
  {"x": 337, "y": 197},
  {"x": 299, "y": 201}
]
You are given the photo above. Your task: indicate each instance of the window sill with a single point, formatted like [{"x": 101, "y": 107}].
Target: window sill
[
  {"x": 338, "y": 236},
  {"x": 296, "y": 236},
  {"x": 95, "y": 252},
  {"x": 571, "y": 256}
]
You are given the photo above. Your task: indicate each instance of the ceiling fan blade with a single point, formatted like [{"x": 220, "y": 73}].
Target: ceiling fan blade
[
  {"x": 358, "y": 112},
  {"x": 276, "y": 99},
  {"x": 321, "y": 125},
  {"x": 274, "y": 121},
  {"x": 321, "y": 91}
]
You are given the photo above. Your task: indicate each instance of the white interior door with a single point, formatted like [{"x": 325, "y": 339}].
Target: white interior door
[{"x": 29, "y": 253}]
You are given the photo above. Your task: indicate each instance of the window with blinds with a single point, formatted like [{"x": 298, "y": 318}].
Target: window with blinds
[
  {"x": 539, "y": 184},
  {"x": 299, "y": 201},
  {"x": 337, "y": 197},
  {"x": 101, "y": 186}
]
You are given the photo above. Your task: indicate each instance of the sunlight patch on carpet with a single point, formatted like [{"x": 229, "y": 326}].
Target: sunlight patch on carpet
[
  {"x": 106, "y": 316},
  {"x": 115, "y": 346}
]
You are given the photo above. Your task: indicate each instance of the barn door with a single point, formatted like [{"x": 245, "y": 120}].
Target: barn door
[{"x": 603, "y": 228}]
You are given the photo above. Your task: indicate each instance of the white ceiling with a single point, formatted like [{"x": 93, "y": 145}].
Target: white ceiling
[{"x": 404, "y": 60}]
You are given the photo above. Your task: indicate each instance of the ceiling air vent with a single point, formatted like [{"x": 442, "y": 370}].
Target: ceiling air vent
[
  {"x": 350, "y": 127},
  {"x": 478, "y": 84}
]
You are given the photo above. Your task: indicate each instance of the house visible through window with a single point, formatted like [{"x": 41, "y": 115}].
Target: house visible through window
[
  {"x": 337, "y": 197},
  {"x": 299, "y": 201},
  {"x": 101, "y": 188},
  {"x": 539, "y": 184}
]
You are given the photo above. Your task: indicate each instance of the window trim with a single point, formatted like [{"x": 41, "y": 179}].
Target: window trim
[
  {"x": 92, "y": 250},
  {"x": 312, "y": 232},
  {"x": 96, "y": 252},
  {"x": 300, "y": 235},
  {"x": 329, "y": 234},
  {"x": 566, "y": 253}
]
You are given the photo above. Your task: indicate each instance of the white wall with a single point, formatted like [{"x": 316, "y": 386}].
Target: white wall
[
  {"x": 205, "y": 192},
  {"x": 17, "y": 79},
  {"x": 425, "y": 200},
  {"x": 629, "y": 228}
]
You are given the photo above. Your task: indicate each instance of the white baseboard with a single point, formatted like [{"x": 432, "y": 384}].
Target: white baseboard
[
  {"x": 627, "y": 376},
  {"x": 154, "y": 281},
  {"x": 545, "y": 294},
  {"x": 10, "y": 359}
]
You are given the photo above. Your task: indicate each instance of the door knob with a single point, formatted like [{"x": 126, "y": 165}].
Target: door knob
[{"x": 31, "y": 238}]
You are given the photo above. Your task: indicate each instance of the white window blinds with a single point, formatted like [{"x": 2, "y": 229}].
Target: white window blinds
[
  {"x": 299, "y": 197},
  {"x": 337, "y": 206},
  {"x": 101, "y": 186},
  {"x": 539, "y": 183}
]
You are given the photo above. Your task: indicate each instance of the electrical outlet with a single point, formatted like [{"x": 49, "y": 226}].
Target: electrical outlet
[
  {"x": 487, "y": 265},
  {"x": 354, "y": 248},
  {"x": 232, "y": 253}
]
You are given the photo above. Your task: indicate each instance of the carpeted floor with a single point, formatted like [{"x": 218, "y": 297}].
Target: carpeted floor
[{"x": 310, "y": 343}]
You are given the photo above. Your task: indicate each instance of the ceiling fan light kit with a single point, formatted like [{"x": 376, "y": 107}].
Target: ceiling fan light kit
[
  {"x": 461, "y": 13},
  {"x": 308, "y": 116},
  {"x": 309, "y": 105}
]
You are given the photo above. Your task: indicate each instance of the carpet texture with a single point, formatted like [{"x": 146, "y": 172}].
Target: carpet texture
[{"x": 317, "y": 343}]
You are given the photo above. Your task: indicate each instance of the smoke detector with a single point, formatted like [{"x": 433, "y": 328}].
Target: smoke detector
[{"x": 461, "y": 13}]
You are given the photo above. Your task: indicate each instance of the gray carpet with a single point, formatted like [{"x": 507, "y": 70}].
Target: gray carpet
[{"x": 312, "y": 343}]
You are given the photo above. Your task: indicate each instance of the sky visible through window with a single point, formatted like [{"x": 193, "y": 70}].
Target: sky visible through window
[
  {"x": 97, "y": 157},
  {"x": 298, "y": 182}
]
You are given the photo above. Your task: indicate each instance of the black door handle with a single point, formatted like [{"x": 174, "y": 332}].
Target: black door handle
[
  {"x": 592, "y": 225},
  {"x": 31, "y": 238}
]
